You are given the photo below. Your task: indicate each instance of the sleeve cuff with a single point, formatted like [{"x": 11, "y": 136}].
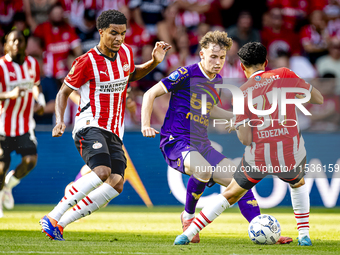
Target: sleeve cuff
[
  {"x": 69, "y": 85},
  {"x": 241, "y": 122},
  {"x": 165, "y": 89}
]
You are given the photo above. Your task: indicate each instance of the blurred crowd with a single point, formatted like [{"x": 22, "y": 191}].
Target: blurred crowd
[{"x": 303, "y": 35}]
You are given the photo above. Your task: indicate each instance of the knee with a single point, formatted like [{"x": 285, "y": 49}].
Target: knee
[
  {"x": 30, "y": 160},
  {"x": 119, "y": 186},
  {"x": 103, "y": 172},
  {"x": 203, "y": 176}
]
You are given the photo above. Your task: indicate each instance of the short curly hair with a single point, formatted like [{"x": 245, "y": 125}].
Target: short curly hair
[
  {"x": 216, "y": 37},
  {"x": 110, "y": 17},
  {"x": 252, "y": 54}
]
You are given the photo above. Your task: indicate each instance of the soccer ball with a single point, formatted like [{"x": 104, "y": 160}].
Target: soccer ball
[{"x": 264, "y": 229}]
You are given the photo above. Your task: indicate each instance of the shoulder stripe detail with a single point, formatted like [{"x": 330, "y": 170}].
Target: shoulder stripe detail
[
  {"x": 241, "y": 122},
  {"x": 95, "y": 69},
  {"x": 5, "y": 70},
  {"x": 120, "y": 68}
]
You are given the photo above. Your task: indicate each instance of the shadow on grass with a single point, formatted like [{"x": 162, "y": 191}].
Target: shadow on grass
[{"x": 34, "y": 242}]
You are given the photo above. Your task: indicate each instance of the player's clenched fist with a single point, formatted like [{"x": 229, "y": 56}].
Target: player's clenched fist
[
  {"x": 149, "y": 132},
  {"x": 58, "y": 130}
]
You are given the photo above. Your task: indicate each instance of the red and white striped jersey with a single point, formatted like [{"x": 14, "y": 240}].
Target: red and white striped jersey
[
  {"x": 16, "y": 115},
  {"x": 277, "y": 143},
  {"x": 57, "y": 41},
  {"x": 102, "y": 84}
]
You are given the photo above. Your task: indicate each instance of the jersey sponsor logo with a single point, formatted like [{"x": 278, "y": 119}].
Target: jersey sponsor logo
[
  {"x": 97, "y": 145},
  {"x": 257, "y": 78},
  {"x": 21, "y": 84},
  {"x": 174, "y": 76},
  {"x": 126, "y": 67},
  {"x": 266, "y": 82},
  {"x": 113, "y": 87},
  {"x": 204, "y": 120},
  {"x": 59, "y": 47},
  {"x": 11, "y": 74}
]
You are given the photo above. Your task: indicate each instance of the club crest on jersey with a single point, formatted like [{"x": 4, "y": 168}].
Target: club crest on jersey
[
  {"x": 97, "y": 145},
  {"x": 257, "y": 78},
  {"x": 174, "y": 76},
  {"x": 126, "y": 67},
  {"x": 66, "y": 36},
  {"x": 72, "y": 70}
]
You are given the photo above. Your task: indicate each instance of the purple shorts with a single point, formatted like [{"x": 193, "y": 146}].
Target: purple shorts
[{"x": 172, "y": 152}]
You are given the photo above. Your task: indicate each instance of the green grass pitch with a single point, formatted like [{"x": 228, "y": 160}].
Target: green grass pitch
[{"x": 141, "y": 230}]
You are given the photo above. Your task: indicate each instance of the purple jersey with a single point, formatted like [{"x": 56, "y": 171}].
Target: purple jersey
[{"x": 184, "y": 119}]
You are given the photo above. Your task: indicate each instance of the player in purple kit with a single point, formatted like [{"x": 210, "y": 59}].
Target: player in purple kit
[{"x": 184, "y": 137}]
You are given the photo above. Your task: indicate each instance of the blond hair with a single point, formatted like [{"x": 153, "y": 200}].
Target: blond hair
[{"x": 216, "y": 37}]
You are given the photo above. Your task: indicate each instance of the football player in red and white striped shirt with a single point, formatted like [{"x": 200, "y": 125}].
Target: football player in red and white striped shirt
[
  {"x": 101, "y": 76},
  {"x": 19, "y": 81},
  {"x": 274, "y": 144}
]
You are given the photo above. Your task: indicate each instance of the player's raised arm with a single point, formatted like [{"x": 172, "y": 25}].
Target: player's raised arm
[
  {"x": 316, "y": 97},
  {"x": 158, "y": 55},
  {"x": 147, "y": 105},
  {"x": 60, "y": 106}
]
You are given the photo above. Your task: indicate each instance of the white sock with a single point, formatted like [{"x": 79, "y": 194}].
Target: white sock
[
  {"x": 89, "y": 204},
  {"x": 188, "y": 216},
  {"x": 207, "y": 215},
  {"x": 77, "y": 191},
  {"x": 11, "y": 181},
  {"x": 300, "y": 202}
]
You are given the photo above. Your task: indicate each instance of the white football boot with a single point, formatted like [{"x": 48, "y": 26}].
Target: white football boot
[{"x": 8, "y": 200}]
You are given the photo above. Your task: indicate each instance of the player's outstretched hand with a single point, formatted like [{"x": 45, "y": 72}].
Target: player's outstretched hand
[
  {"x": 149, "y": 132},
  {"x": 58, "y": 130},
  {"x": 230, "y": 127},
  {"x": 160, "y": 50}
]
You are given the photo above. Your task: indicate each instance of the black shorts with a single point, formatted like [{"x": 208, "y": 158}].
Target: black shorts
[
  {"x": 24, "y": 145},
  {"x": 248, "y": 178},
  {"x": 92, "y": 141}
]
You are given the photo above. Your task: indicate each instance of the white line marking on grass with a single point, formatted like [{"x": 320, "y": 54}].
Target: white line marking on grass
[{"x": 53, "y": 252}]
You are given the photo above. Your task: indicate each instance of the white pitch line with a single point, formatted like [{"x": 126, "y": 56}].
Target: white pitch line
[{"x": 53, "y": 252}]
